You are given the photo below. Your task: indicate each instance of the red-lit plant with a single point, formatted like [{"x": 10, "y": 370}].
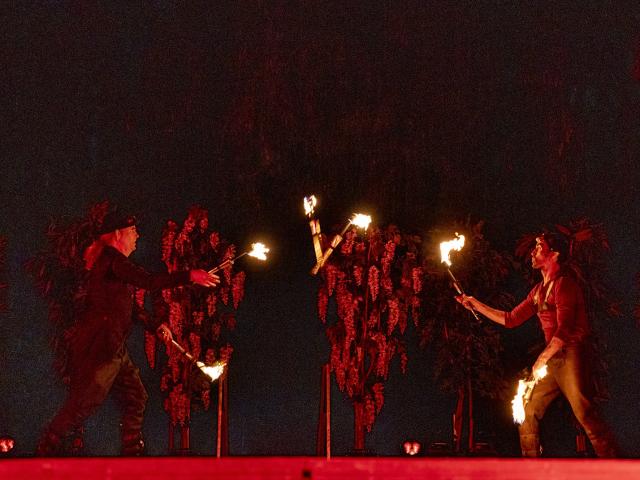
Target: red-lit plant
[
  {"x": 468, "y": 351},
  {"x": 375, "y": 280},
  {"x": 198, "y": 317},
  {"x": 59, "y": 275}
]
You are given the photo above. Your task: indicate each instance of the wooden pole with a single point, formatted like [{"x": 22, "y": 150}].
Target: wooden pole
[
  {"x": 472, "y": 440},
  {"x": 224, "y": 448},
  {"x": 221, "y": 383},
  {"x": 184, "y": 444},
  {"x": 457, "y": 421},
  {"x": 359, "y": 428},
  {"x": 323, "y": 439},
  {"x": 327, "y": 389}
]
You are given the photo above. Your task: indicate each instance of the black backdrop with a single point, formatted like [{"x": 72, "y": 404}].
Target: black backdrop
[{"x": 420, "y": 112}]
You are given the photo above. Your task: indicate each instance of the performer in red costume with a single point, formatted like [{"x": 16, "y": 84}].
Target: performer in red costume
[
  {"x": 98, "y": 357},
  {"x": 558, "y": 301}
]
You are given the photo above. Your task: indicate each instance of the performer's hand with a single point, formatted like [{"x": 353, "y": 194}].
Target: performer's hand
[
  {"x": 164, "y": 334},
  {"x": 466, "y": 301},
  {"x": 204, "y": 278},
  {"x": 535, "y": 370}
]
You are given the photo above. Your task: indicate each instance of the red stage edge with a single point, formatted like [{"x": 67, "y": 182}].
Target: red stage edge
[{"x": 351, "y": 468}]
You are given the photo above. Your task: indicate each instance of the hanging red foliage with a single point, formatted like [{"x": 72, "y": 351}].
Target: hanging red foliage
[
  {"x": 199, "y": 318},
  {"x": 373, "y": 279},
  {"x": 59, "y": 275}
]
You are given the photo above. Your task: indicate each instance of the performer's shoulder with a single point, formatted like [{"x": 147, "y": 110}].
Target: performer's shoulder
[
  {"x": 567, "y": 282},
  {"x": 111, "y": 256},
  {"x": 112, "y": 252}
]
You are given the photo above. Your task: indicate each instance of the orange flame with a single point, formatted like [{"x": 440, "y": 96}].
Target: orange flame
[
  {"x": 360, "y": 220},
  {"x": 212, "y": 371},
  {"x": 525, "y": 389},
  {"x": 309, "y": 204},
  {"x": 446, "y": 247},
  {"x": 259, "y": 251}
]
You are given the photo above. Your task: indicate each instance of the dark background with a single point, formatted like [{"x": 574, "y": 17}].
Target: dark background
[{"x": 518, "y": 113}]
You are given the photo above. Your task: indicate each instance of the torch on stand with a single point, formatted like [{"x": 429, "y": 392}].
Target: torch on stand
[
  {"x": 212, "y": 372},
  {"x": 446, "y": 247},
  {"x": 314, "y": 224},
  {"x": 359, "y": 220}
]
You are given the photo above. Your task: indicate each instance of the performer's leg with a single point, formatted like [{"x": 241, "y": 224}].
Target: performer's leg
[
  {"x": 575, "y": 383},
  {"x": 543, "y": 394},
  {"x": 86, "y": 393},
  {"x": 132, "y": 399}
]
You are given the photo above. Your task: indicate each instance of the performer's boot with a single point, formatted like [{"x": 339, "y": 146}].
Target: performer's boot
[
  {"x": 50, "y": 445},
  {"x": 76, "y": 442},
  {"x": 530, "y": 445},
  {"x": 132, "y": 444},
  {"x": 604, "y": 444}
]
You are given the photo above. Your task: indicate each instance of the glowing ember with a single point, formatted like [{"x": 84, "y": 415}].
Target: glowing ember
[
  {"x": 360, "y": 220},
  {"x": 6, "y": 444},
  {"x": 259, "y": 251},
  {"x": 411, "y": 447},
  {"x": 212, "y": 371},
  {"x": 525, "y": 389},
  {"x": 455, "y": 244},
  {"x": 309, "y": 205}
]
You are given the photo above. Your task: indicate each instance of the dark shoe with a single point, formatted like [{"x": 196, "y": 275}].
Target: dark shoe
[
  {"x": 605, "y": 446},
  {"x": 76, "y": 443}
]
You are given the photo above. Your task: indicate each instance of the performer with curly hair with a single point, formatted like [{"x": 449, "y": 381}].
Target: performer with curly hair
[
  {"x": 98, "y": 361},
  {"x": 559, "y": 303}
]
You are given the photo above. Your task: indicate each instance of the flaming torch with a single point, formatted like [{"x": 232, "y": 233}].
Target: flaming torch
[
  {"x": 258, "y": 250},
  {"x": 212, "y": 372},
  {"x": 446, "y": 247},
  {"x": 314, "y": 224},
  {"x": 523, "y": 395},
  {"x": 359, "y": 220}
]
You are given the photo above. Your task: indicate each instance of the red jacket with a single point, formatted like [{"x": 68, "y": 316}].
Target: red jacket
[{"x": 107, "y": 318}]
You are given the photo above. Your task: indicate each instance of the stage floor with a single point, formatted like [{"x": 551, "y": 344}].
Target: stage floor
[{"x": 351, "y": 468}]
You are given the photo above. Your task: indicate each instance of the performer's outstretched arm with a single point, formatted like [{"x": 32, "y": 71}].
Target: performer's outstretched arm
[
  {"x": 510, "y": 319},
  {"x": 472, "y": 303}
]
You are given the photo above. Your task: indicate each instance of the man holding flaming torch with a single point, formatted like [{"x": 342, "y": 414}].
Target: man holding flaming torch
[
  {"x": 98, "y": 358},
  {"x": 558, "y": 301}
]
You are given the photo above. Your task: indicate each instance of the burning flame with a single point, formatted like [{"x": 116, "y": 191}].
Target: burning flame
[
  {"x": 517, "y": 404},
  {"x": 361, "y": 220},
  {"x": 525, "y": 389},
  {"x": 259, "y": 251},
  {"x": 212, "y": 371},
  {"x": 309, "y": 204},
  {"x": 455, "y": 244}
]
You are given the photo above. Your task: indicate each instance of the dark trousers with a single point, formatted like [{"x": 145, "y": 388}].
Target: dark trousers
[
  {"x": 568, "y": 373},
  {"x": 90, "y": 389}
]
